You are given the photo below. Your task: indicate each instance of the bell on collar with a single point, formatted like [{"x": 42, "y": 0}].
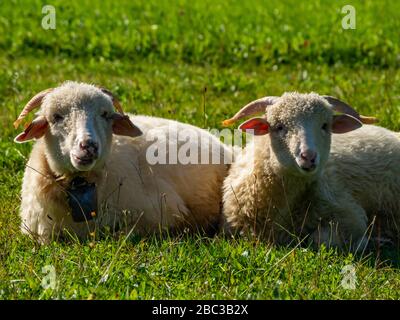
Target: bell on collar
[{"x": 82, "y": 199}]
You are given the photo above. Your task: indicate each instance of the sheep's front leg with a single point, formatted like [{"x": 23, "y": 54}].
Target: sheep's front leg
[
  {"x": 36, "y": 218},
  {"x": 34, "y": 225},
  {"x": 341, "y": 224}
]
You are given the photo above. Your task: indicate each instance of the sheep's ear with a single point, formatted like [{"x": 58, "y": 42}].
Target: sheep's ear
[
  {"x": 256, "y": 126},
  {"x": 123, "y": 126},
  {"x": 344, "y": 123},
  {"x": 35, "y": 130}
]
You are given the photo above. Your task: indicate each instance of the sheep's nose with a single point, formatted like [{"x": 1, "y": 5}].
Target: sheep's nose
[
  {"x": 308, "y": 160},
  {"x": 89, "y": 146},
  {"x": 309, "y": 156}
]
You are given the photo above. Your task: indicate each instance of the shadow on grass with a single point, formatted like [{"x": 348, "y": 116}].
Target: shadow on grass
[
  {"x": 375, "y": 255},
  {"x": 387, "y": 256}
]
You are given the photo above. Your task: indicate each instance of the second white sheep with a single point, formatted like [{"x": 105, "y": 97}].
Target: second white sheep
[{"x": 310, "y": 172}]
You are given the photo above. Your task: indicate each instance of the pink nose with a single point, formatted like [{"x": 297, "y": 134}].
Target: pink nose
[
  {"x": 308, "y": 159},
  {"x": 309, "y": 156},
  {"x": 89, "y": 146}
]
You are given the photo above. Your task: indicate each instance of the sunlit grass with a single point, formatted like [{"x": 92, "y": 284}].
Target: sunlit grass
[{"x": 158, "y": 58}]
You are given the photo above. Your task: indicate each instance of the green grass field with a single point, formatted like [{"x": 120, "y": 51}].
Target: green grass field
[{"x": 158, "y": 57}]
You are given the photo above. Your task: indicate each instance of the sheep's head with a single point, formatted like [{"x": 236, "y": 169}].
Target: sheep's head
[
  {"x": 77, "y": 121},
  {"x": 300, "y": 127}
]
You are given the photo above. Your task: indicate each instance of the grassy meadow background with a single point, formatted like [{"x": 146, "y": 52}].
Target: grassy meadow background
[{"x": 158, "y": 57}]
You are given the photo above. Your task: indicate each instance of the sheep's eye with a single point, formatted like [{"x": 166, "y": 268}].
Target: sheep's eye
[
  {"x": 105, "y": 115},
  {"x": 57, "y": 117},
  {"x": 325, "y": 127},
  {"x": 280, "y": 127}
]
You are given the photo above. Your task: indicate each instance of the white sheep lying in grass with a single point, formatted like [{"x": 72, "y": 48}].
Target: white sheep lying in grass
[
  {"x": 91, "y": 162},
  {"x": 297, "y": 179}
]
